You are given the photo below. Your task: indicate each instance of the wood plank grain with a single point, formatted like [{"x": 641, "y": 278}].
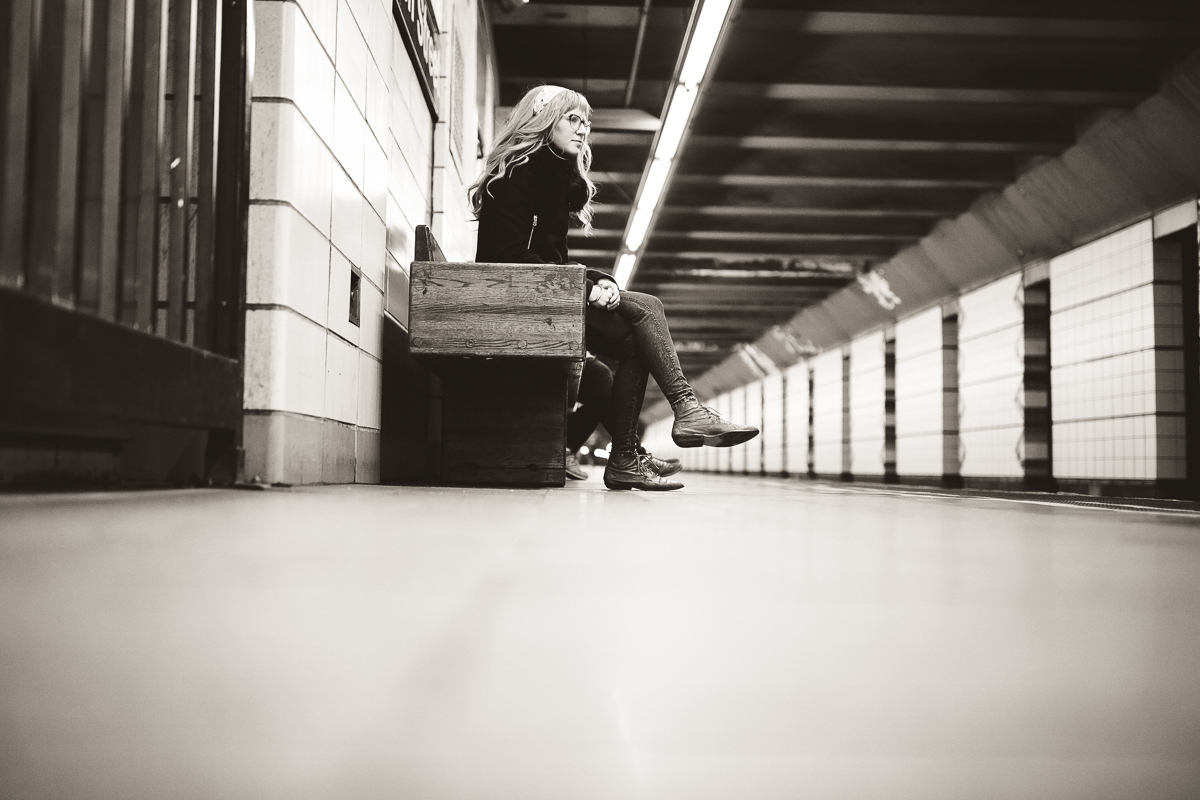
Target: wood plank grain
[
  {"x": 497, "y": 309},
  {"x": 427, "y": 248}
]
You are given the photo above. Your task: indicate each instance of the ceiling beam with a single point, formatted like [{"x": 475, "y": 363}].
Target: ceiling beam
[
  {"x": 823, "y": 181},
  {"x": 823, "y": 144},
  {"x": 858, "y": 23},
  {"x": 777, "y": 237},
  {"x": 826, "y": 144},
  {"x": 785, "y": 211},
  {"x": 923, "y": 94},
  {"x": 832, "y": 23}
]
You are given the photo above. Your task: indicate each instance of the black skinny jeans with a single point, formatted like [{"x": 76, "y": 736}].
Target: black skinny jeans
[
  {"x": 595, "y": 404},
  {"x": 635, "y": 334}
]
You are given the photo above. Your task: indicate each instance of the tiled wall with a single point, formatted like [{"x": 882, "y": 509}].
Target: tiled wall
[
  {"x": 773, "y": 424},
  {"x": 923, "y": 401},
  {"x": 828, "y": 421},
  {"x": 754, "y": 416},
  {"x": 991, "y": 365},
  {"x": 1116, "y": 373},
  {"x": 724, "y": 406},
  {"x": 342, "y": 152},
  {"x": 737, "y": 415},
  {"x": 867, "y": 385},
  {"x": 796, "y": 405}
]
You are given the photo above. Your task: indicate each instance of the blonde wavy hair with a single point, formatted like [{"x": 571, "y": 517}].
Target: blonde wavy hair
[{"x": 526, "y": 130}]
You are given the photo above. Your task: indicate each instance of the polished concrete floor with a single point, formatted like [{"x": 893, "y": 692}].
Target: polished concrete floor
[{"x": 743, "y": 638}]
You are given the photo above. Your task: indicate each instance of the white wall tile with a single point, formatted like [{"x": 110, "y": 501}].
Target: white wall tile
[
  {"x": 346, "y": 223},
  {"x": 287, "y": 262},
  {"x": 289, "y": 162},
  {"x": 377, "y": 104},
  {"x": 322, "y": 16},
  {"x": 285, "y": 362},
  {"x": 827, "y": 412},
  {"x": 375, "y": 176},
  {"x": 754, "y": 416},
  {"x": 349, "y": 132},
  {"x": 374, "y": 245},
  {"x": 370, "y": 390},
  {"x": 341, "y": 380},
  {"x": 796, "y": 402},
  {"x": 351, "y": 56},
  {"x": 291, "y": 63},
  {"x": 772, "y": 424}
]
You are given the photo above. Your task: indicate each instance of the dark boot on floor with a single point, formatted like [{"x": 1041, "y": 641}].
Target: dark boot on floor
[
  {"x": 697, "y": 424},
  {"x": 664, "y": 467},
  {"x": 574, "y": 471},
  {"x": 633, "y": 471}
]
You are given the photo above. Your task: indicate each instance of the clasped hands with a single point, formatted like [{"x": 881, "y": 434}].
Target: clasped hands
[{"x": 605, "y": 294}]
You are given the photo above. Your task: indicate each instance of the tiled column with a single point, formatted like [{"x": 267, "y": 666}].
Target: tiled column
[
  {"x": 1117, "y": 382},
  {"x": 867, "y": 395},
  {"x": 737, "y": 415},
  {"x": 773, "y": 424},
  {"x": 927, "y": 397},
  {"x": 323, "y": 119},
  {"x": 798, "y": 419},
  {"x": 754, "y": 416},
  {"x": 722, "y": 462},
  {"x": 829, "y": 414},
  {"x": 991, "y": 359}
]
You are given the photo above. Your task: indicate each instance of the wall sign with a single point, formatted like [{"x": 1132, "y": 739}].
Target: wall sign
[{"x": 418, "y": 28}]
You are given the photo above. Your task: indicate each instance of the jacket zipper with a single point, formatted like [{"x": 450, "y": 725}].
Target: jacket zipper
[{"x": 529, "y": 245}]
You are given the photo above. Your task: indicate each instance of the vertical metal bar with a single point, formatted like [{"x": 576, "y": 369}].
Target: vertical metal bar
[
  {"x": 210, "y": 88},
  {"x": 21, "y": 60},
  {"x": 116, "y": 109},
  {"x": 76, "y": 30},
  {"x": 233, "y": 177},
  {"x": 151, "y": 133},
  {"x": 44, "y": 140},
  {"x": 637, "y": 52},
  {"x": 180, "y": 155},
  {"x": 91, "y": 156}
]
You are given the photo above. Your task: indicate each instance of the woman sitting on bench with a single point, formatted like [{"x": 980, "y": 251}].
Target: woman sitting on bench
[{"x": 534, "y": 182}]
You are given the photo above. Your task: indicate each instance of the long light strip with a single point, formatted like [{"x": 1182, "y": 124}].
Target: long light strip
[{"x": 712, "y": 17}]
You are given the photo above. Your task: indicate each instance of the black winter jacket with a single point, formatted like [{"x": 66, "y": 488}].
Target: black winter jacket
[{"x": 525, "y": 215}]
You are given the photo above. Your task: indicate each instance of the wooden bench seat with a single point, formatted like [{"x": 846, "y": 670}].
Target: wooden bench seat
[{"x": 507, "y": 342}]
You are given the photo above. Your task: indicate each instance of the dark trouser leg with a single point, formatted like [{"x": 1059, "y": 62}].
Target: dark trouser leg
[
  {"x": 612, "y": 335},
  {"x": 654, "y": 345},
  {"x": 595, "y": 396}
]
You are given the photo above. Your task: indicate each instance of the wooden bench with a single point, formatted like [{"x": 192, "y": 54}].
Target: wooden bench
[{"x": 507, "y": 342}]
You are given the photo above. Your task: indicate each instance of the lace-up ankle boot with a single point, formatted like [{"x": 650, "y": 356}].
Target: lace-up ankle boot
[
  {"x": 663, "y": 467},
  {"x": 629, "y": 470},
  {"x": 697, "y": 424}
]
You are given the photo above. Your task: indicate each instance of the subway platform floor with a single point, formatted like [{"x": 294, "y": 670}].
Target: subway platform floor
[{"x": 743, "y": 638}]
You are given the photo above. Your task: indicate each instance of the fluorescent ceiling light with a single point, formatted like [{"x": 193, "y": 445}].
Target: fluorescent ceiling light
[
  {"x": 676, "y": 123},
  {"x": 701, "y": 45},
  {"x": 704, "y": 39},
  {"x": 625, "y": 267},
  {"x": 639, "y": 226}
]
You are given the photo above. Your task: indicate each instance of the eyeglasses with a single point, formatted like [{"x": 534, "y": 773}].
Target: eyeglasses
[{"x": 576, "y": 122}]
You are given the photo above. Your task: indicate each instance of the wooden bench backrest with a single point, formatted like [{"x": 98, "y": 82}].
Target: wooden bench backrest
[{"x": 494, "y": 310}]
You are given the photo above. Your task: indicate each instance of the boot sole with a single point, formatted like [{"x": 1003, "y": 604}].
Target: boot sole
[
  {"x": 620, "y": 487},
  {"x": 717, "y": 440}
]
